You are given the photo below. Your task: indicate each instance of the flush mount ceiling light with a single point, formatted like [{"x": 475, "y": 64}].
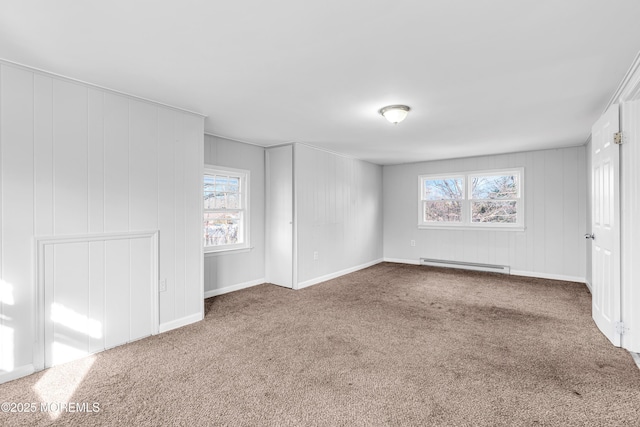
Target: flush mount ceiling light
[{"x": 395, "y": 113}]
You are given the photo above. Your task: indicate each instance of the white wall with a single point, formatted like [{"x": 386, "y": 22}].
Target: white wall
[
  {"x": 555, "y": 216},
  {"x": 234, "y": 270},
  {"x": 588, "y": 228},
  {"x": 338, "y": 211},
  {"x": 80, "y": 160}
]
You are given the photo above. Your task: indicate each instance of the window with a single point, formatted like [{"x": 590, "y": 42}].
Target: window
[
  {"x": 226, "y": 209},
  {"x": 443, "y": 198},
  {"x": 489, "y": 199}
]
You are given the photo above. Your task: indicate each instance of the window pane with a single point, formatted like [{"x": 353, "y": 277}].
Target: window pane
[
  {"x": 443, "y": 189},
  {"x": 443, "y": 211},
  {"x": 494, "y": 187},
  {"x": 233, "y": 184},
  {"x": 222, "y": 228},
  {"x": 494, "y": 212},
  {"x": 208, "y": 182},
  {"x": 209, "y": 199},
  {"x": 219, "y": 201},
  {"x": 232, "y": 201}
]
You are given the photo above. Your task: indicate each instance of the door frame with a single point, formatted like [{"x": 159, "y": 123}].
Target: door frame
[
  {"x": 629, "y": 100},
  {"x": 629, "y": 92}
]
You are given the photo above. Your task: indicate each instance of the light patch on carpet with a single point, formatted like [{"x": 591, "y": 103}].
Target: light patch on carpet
[{"x": 59, "y": 384}]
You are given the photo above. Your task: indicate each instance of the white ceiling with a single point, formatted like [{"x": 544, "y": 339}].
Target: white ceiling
[{"x": 481, "y": 77}]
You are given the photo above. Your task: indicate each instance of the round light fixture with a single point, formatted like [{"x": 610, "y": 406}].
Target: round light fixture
[{"x": 395, "y": 113}]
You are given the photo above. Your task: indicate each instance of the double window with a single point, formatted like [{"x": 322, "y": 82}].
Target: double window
[
  {"x": 490, "y": 199},
  {"x": 226, "y": 209}
]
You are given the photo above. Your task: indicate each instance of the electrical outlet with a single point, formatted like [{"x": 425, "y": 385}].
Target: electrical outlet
[
  {"x": 413, "y": 243},
  {"x": 163, "y": 285},
  {"x": 315, "y": 256}
]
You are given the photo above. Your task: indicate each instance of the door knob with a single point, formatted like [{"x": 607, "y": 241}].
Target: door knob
[{"x": 589, "y": 236}]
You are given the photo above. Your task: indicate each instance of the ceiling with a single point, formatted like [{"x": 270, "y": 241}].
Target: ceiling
[{"x": 481, "y": 77}]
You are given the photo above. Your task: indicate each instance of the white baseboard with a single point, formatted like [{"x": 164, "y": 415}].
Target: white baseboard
[
  {"x": 326, "y": 277},
  {"x": 548, "y": 276},
  {"x": 586, "y": 282},
  {"x": 227, "y": 289},
  {"x": 513, "y": 272},
  {"x": 403, "y": 261},
  {"x": 178, "y": 323},
  {"x": 19, "y": 372}
]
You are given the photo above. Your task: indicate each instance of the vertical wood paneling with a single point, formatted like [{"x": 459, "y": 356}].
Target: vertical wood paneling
[
  {"x": 501, "y": 247},
  {"x": 194, "y": 153},
  {"x": 141, "y": 286},
  {"x": 69, "y": 167},
  {"x": 166, "y": 211},
  {"x": 16, "y": 134},
  {"x": 180, "y": 220},
  {"x": 571, "y": 208},
  {"x": 357, "y": 239},
  {"x": 96, "y": 151},
  {"x": 97, "y": 294},
  {"x": 583, "y": 225},
  {"x": 69, "y": 296},
  {"x": 530, "y": 202},
  {"x": 49, "y": 281},
  {"x": 70, "y": 158},
  {"x": 538, "y": 183},
  {"x": 43, "y": 154},
  {"x": 553, "y": 213},
  {"x": 520, "y": 246},
  {"x": 470, "y": 245},
  {"x": 117, "y": 292},
  {"x": 116, "y": 163},
  {"x": 143, "y": 181},
  {"x": 88, "y": 297}
]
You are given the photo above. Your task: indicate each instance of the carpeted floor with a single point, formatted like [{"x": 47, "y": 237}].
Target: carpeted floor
[{"x": 389, "y": 345}]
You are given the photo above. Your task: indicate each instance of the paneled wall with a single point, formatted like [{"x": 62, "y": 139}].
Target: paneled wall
[
  {"x": 77, "y": 160},
  {"x": 338, "y": 203},
  {"x": 234, "y": 270},
  {"x": 588, "y": 229},
  {"x": 552, "y": 244}
]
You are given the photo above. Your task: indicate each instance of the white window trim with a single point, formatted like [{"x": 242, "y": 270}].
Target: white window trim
[
  {"x": 466, "y": 223},
  {"x": 245, "y": 177}
]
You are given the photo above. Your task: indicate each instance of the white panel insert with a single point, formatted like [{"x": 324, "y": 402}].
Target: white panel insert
[{"x": 92, "y": 300}]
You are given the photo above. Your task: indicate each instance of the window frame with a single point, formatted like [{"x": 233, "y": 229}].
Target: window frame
[
  {"x": 422, "y": 201},
  {"x": 244, "y": 188},
  {"x": 466, "y": 214}
]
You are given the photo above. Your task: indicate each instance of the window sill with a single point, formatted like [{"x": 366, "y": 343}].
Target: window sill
[
  {"x": 228, "y": 251},
  {"x": 471, "y": 227}
]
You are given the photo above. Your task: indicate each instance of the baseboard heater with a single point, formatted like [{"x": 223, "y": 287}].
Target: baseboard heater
[{"x": 466, "y": 265}]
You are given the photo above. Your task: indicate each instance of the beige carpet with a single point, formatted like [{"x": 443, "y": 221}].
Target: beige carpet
[{"x": 389, "y": 345}]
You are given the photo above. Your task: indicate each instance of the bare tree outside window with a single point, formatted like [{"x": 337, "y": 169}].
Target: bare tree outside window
[
  {"x": 224, "y": 220},
  {"x": 493, "y": 199},
  {"x": 489, "y": 198},
  {"x": 442, "y": 200}
]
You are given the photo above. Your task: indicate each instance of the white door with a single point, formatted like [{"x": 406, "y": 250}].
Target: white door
[
  {"x": 605, "y": 224},
  {"x": 279, "y": 183}
]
